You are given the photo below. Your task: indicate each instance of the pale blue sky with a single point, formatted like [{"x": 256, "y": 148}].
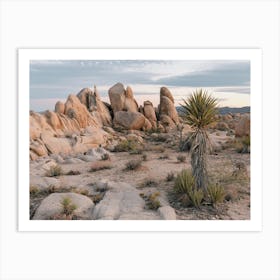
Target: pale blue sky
[{"x": 52, "y": 80}]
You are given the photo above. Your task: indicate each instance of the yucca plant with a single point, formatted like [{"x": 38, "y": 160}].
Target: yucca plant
[{"x": 199, "y": 111}]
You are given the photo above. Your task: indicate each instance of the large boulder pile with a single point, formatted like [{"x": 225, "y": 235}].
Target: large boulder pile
[{"x": 77, "y": 125}]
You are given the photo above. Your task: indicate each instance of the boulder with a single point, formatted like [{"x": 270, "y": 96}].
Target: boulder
[
  {"x": 77, "y": 111},
  {"x": 167, "y": 213},
  {"x": 52, "y": 206},
  {"x": 164, "y": 91},
  {"x": 166, "y": 106},
  {"x": 117, "y": 97},
  {"x": 130, "y": 120},
  {"x": 38, "y": 148},
  {"x": 56, "y": 145},
  {"x": 149, "y": 113},
  {"x": 59, "y": 107},
  {"x": 130, "y": 103},
  {"x": 91, "y": 99},
  {"x": 120, "y": 199},
  {"x": 242, "y": 128}
]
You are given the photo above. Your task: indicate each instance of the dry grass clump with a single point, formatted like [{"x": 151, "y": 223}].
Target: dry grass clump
[
  {"x": 181, "y": 158},
  {"x": 152, "y": 201},
  {"x": 240, "y": 145},
  {"x": 170, "y": 177},
  {"x": 185, "y": 185},
  {"x": 105, "y": 157},
  {"x": 33, "y": 190},
  {"x": 144, "y": 157},
  {"x": 133, "y": 164},
  {"x": 164, "y": 157},
  {"x": 128, "y": 146},
  {"x": 73, "y": 172},
  {"x": 54, "y": 170},
  {"x": 216, "y": 194},
  {"x": 100, "y": 165},
  {"x": 148, "y": 183}
]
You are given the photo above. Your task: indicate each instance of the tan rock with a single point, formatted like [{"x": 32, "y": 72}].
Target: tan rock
[
  {"x": 130, "y": 120},
  {"x": 52, "y": 206},
  {"x": 59, "y": 107},
  {"x": 56, "y": 145},
  {"x": 130, "y": 103},
  {"x": 149, "y": 113},
  {"x": 166, "y": 106},
  {"x": 164, "y": 91},
  {"x": 242, "y": 128},
  {"x": 38, "y": 149},
  {"x": 74, "y": 109},
  {"x": 117, "y": 97}
]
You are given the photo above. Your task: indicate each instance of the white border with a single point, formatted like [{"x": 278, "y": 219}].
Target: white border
[{"x": 254, "y": 55}]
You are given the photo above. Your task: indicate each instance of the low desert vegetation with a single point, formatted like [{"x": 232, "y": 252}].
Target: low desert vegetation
[
  {"x": 105, "y": 157},
  {"x": 216, "y": 194},
  {"x": 100, "y": 165},
  {"x": 185, "y": 185},
  {"x": 148, "y": 183},
  {"x": 165, "y": 156},
  {"x": 54, "y": 171},
  {"x": 152, "y": 201},
  {"x": 181, "y": 158},
  {"x": 133, "y": 164},
  {"x": 33, "y": 190},
  {"x": 144, "y": 157},
  {"x": 73, "y": 172},
  {"x": 128, "y": 146},
  {"x": 170, "y": 176},
  {"x": 68, "y": 206}
]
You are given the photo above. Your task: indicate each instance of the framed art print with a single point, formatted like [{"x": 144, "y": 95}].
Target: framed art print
[{"x": 140, "y": 139}]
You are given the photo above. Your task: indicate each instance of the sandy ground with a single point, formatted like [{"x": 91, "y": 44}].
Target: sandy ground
[{"x": 152, "y": 174}]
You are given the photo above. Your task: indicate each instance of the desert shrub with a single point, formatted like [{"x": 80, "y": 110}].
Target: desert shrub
[
  {"x": 68, "y": 207},
  {"x": 158, "y": 149},
  {"x": 185, "y": 184},
  {"x": 144, "y": 157},
  {"x": 216, "y": 193},
  {"x": 100, "y": 165},
  {"x": 170, "y": 177},
  {"x": 97, "y": 197},
  {"x": 127, "y": 146},
  {"x": 54, "y": 170},
  {"x": 33, "y": 190},
  {"x": 149, "y": 183},
  {"x": 164, "y": 157},
  {"x": 181, "y": 158},
  {"x": 73, "y": 172},
  {"x": 151, "y": 200},
  {"x": 52, "y": 189},
  {"x": 105, "y": 157},
  {"x": 133, "y": 164}
]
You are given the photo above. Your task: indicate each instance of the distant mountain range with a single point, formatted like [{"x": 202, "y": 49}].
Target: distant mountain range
[{"x": 227, "y": 110}]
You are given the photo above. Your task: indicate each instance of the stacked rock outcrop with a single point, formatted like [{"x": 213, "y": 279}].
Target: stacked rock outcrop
[{"x": 76, "y": 125}]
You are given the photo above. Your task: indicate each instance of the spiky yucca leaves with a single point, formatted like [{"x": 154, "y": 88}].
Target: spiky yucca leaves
[
  {"x": 199, "y": 112},
  {"x": 199, "y": 109}
]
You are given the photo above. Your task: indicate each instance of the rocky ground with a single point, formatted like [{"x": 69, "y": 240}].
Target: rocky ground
[{"x": 107, "y": 187}]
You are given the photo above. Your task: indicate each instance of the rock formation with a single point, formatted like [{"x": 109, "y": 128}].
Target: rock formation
[
  {"x": 168, "y": 115},
  {"x": 76, "y": 125},
  {"x": 149, "y": 113},
  {"x": 91, "y": 99},
  {"x": 242, "y": 128},
  {"x": 121, "y": 99}
]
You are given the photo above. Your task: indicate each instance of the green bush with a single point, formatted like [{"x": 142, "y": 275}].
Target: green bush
[
  {"x": 216, "y": 194},
  {"x": 68, "y": 207},
  {"x": 185, "y": 184}
]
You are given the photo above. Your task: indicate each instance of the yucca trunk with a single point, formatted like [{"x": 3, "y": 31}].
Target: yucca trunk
[{"x": 199, "y": 150}]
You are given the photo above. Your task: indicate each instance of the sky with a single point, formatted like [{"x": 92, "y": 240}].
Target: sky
[{"x": 53, "y": 80}]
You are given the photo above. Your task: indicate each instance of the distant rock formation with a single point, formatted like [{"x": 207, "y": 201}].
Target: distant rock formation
[
  {"x": 121, "y": 99},
  {"x": 168, "y": 115},
  {"x": 76, "y": 125}
]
